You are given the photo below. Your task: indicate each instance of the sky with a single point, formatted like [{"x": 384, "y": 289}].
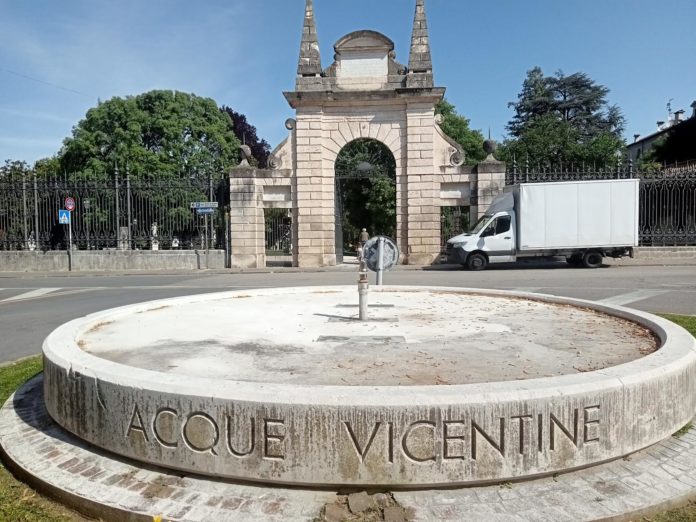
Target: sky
[{"x": 59, "y": 58}]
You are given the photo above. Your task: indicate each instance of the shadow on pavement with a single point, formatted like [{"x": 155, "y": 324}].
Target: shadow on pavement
[{"x": 545, "y": 264}]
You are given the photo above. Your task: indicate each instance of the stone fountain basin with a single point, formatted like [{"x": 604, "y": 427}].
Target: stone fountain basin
[{"x": 440, "y": 387}]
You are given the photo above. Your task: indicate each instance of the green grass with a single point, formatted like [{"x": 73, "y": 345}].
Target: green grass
[
  {"x": 685, "y": 321},
  {"x": 685, "y": 514},
  {"x": 18, "y": 503}
]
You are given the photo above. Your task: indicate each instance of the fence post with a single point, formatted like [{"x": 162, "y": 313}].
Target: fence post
[
  {"x": 118, "y": 210},
  {"x": 128, "y": 210},
  {"x": 228, "y": 249},
  {"x": 36, "y": 213},
  {"x": 210, "y": 198},
  {"x": 24, "y": 210}
]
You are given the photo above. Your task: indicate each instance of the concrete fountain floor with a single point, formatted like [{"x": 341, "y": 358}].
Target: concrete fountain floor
[{"x": 411, "y": 338}]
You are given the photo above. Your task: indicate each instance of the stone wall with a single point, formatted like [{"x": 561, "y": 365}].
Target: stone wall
[{"x": 108, "y": 260}]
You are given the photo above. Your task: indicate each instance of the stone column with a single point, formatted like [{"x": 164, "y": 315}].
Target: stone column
[
  {"x": 247, "y": 241},
  {"x": 489, "y": 182},
  {"x": 422, "y": 186},
  {"x": 315, "y": 194}
]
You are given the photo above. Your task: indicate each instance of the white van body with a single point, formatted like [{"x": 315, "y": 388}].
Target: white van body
[{"x": 583, "y": 221}]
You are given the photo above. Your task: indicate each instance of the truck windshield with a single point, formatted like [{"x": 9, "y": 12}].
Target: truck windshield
[{"x": 481, "y": 223}]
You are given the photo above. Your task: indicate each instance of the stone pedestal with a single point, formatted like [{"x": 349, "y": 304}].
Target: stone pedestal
[
  {"x": 490, "y": 181},
  {"x": 251, "y": 191}
]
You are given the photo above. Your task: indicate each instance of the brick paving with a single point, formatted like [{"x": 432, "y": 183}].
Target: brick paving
[{"x": 619, "y": 490}]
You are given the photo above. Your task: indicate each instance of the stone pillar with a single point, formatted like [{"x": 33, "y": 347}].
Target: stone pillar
[
  {"x": 422, "y": 186},
  {"x": 489, "y": 182},
  {"x": 247, "y": 241},
  {"x": 315, "y": 193}
]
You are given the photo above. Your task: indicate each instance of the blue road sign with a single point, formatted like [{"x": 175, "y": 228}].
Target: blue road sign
[
  {"x": 204, "y": 211},
  {"x": 63, "y": 217},
  {"x": 204, "y": 204}
]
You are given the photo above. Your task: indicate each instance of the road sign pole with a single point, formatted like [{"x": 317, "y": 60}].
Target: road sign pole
[
  {"x": 70, "y": 243},
  {"x": 207, "y": 244}
]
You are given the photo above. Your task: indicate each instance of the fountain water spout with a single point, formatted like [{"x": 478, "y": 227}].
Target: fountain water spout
[{"x": 363, "y": 286}]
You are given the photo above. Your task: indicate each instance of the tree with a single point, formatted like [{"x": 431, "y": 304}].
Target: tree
[
  {"x": 12, "y": 220},
  {"x": 164, "y": 134},
  {"x": 14, "y": 170},
  {"x": 679, "y": 144},
  {"x": 534, "y": 101},
  {"x": 246, "y": 133},
  {"x": 456, "y": 127},
  {"x": 563, "y": 119},
  {"x": 47, "y": 167}
]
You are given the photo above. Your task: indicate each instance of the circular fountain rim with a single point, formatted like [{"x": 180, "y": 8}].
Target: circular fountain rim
[
  {"x": 322, "y": 435},
  {"x": 61, "y": 347}
]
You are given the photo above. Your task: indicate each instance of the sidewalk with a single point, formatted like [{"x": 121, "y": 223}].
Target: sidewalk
[{"x": 644, "y": 256}]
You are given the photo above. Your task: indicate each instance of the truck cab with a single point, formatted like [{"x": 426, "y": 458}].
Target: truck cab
[{"x": 492, "y": 240}]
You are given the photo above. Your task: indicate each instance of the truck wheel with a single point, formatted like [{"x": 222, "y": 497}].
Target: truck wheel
[
  {"x": 574, "y": 260},
  {"x": 592, "y": 259},
  {"x": 476, "y": 262}
]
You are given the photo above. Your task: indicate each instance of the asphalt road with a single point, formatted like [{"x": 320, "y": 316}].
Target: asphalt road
[{"x": 32, "y": 306}]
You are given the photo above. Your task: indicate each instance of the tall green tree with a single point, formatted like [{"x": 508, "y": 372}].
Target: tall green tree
[
  {"x": 165, "y": 134},
  {"x": 563, "y": 119},
  {"x": 14, "y": 170},
  {"x": 457, "y": 127},
  {"x": 534, "y": 101},
  {"x": 47, "y": 167},
  {"x": 246, "y": 133}
]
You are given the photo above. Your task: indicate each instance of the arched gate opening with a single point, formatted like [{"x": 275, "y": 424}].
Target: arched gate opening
[{"x": 365, "y": 192}]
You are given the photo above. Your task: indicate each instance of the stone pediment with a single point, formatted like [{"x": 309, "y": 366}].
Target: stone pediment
[
  {"x": 364, "y": 60},
  {"x": 365, "y": 40}
]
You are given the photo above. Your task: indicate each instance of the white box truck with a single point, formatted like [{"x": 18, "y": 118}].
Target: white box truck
[{"x": 583, "y": 221}]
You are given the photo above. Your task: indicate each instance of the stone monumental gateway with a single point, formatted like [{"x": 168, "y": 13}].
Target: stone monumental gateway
[{"x": 364, "y": 94}]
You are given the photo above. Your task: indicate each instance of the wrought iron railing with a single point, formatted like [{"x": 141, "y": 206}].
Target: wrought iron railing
[
  {"x": 121, "y": 213},
  {"x": 278, "y": 232},
  {"x": 453, "y": 221},
  {"x": 566, "y": 172}
]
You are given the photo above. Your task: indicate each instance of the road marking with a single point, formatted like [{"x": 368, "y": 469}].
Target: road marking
[
  {"x": 631, "y": 297},
  {"x": 528, "y": 289},
  {"x": 30, "y": 295}
]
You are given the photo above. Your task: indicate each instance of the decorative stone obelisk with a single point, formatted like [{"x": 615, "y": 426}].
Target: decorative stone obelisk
[
  {"x": 309, "y": 64},
  {"x": 420, "y": 63}
]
